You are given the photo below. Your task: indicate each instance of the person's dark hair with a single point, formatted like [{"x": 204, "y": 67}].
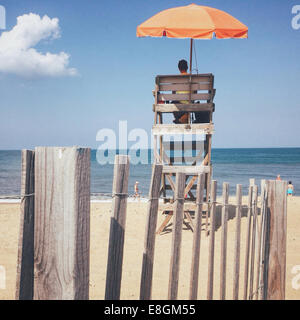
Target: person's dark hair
[
  {"x": 182, "y": 65},
  {"x": 290, "y": 182}
]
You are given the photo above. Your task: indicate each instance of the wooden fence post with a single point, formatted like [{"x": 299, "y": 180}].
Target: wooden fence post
[
  {"x": 262, "y": 241},
  {"x": 224, "y": 241},
  {"x": 236, "y": 262},
  {"x": 25, "y": 264},
  {"x": 254, "y": 214},
  {"x": 252, "y": 182},
  {"x": 62, "y": 223},
  {"x": 211, "y": 250},
  {"x": 149, "y": 244},
  {"x": 276, "y": 246},
  {"x": 117, "y": 228},
  {"x": 249, "y": 216},
  {"x": 176, "y": 236},
  {"x": 197, "y": 239}
]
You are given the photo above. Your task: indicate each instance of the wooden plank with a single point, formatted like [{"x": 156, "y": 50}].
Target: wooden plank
[
  {"x": 183, "y": 97},
  {"x": 197, "y": 240},
  {"x": 211, "y": 250},
  {"x": 168, "y": 187},
  {"x": 246, "y": 267},
  {"x": 172, "y": 185},
  {"x": 254, "y": 225},
  {"x": 237, "y": 246},
  {"x": 261, "y": 244},
  {"x": 206, "y": 160},
  {"x": 189, "y": 170},
  {"x": 163, "y": 181},
  {"x": 149, "y": 243},
  {"x": 165, "y": 222},
  {"x": 183, "y": 145},
  {"x": 188, "y": 206},
  {"x": 224, "y": 241},
  {"x": 184, "y": 87},
  {"x": 155, "y": 93},
  {"x": 176, "y": 237},
  {"x": 190, "y": 185},
  {"x": 117, "y": 228},
  {"x": 185, "y": 159},
  {"x": 276, "y": 259},
  {"x": 62, "y": 223},
  {"x": 199, "y": 128},
  {"x": 207, "y": 146},
  {"x": 190, "y": 220},
  {"x": 184, "y": 78},
  {"x": 25, "y": 262},
  {"x": 161, "y": 148},
  {"x": 191, "y": 107}
]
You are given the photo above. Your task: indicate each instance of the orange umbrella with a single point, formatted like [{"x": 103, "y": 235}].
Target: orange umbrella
[{"x": 194, "y": 22}]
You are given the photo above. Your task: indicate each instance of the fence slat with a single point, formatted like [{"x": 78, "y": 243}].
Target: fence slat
[
  {"x": 224, "y": 241},
  {"x": 254, "y": 222},
  {"x": 236, "y": 262},
  {"x": 62, "y": 223},
  {"x": 197, "y": 239},
  {"x": 261, "y": 244},
  {"x": 276, "y": 259},
  {"x": 211, "y": 250},
  {"x": 25, "y": 264},
  {"x": 249, "y": 216},
  {"x": 149, "y": 244},
  {"x": 176, "y": 236},
  {"x": 117, "y": 228}
]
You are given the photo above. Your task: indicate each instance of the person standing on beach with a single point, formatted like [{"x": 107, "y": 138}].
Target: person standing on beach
[
  {"x": 136, "y": 190},
  {"x": 278, "y": 178},
  {"x": 290, "y": 189}
]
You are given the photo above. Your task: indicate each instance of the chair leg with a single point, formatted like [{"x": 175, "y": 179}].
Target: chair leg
[
  {"x": 189, "y": 218},
  {"x": 165, "y": 222}
]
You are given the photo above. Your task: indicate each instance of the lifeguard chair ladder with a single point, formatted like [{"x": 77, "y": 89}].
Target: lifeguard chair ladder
[{"x": 193, "y": 94}]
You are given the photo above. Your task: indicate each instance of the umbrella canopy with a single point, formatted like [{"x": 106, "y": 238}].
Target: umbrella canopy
[{"x": 194, "y": 22}]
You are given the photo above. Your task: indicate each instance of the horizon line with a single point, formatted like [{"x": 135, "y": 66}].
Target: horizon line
[{"x": 214, "y": 148}]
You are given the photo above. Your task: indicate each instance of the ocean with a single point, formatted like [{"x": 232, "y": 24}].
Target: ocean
[{"x": 235, "y": 166}]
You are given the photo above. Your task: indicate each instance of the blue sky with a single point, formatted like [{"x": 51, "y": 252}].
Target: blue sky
[{"x": 257, "y": 79}]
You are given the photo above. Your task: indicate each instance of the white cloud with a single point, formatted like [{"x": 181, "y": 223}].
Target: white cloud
[{"x": 18, "y": 55}]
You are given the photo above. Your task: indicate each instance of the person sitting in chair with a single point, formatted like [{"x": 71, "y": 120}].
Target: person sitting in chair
[{"x": 181, "y": 116}]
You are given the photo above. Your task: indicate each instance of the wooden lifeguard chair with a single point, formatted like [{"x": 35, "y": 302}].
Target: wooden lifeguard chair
[{"x": 183, "y": 147}]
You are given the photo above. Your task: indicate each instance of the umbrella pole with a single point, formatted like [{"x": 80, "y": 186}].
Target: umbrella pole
[
  {"x": 191, "y": 56},
  {"x": 191, "y": 68}
]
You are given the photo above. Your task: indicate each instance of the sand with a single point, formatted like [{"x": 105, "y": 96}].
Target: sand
[{"x": 134, "y": 239}]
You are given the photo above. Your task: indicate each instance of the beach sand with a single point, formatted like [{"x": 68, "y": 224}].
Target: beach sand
[{"x": 134, "y": 240}]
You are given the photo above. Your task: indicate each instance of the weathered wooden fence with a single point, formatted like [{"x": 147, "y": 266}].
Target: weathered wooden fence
[{"x": 53, "y": 256}]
